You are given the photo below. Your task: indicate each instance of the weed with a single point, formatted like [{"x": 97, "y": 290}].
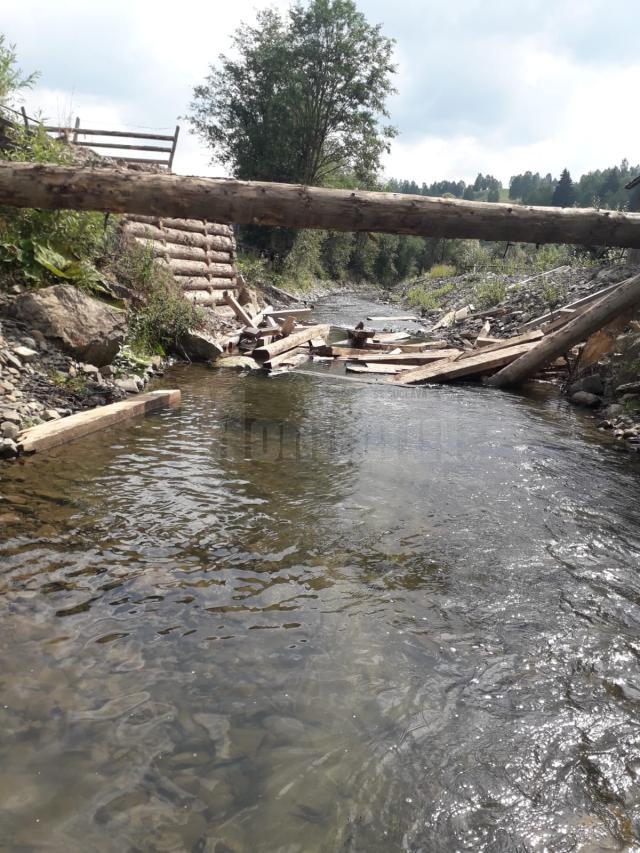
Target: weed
[
  {"x": 489, "y": 293},
  {"x": 428, "y": 300},
  {"x": 441, "y": 271}
]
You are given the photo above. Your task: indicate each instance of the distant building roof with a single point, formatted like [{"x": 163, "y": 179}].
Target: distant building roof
[{"x": 633, "y": 183}]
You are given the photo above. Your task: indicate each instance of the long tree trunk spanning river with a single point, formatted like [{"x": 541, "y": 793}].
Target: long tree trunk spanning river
[{"x": 300, "y": 614}]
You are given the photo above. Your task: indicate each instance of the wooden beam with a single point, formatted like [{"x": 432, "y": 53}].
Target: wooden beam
[
  {"x": 458, "y": 368},
  {"x": 426, "y": 357},
  {"x": 48, "y": 187},
  {"x": 399, "y": 319},
  {"x": 625, "y": 296},
  {"x": 53, "y": 433},
  {"x": 242, "y": 315},
  {"x": 268, "y": 351},
  {"x": 85, "y": 131},
  {"x": 527, "y": 338}
]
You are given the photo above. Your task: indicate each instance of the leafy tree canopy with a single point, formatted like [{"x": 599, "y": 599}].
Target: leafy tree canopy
[{"x": 302, "y": 99}]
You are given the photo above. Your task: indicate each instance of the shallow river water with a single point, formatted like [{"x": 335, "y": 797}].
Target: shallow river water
[{"x": 305, "y": 614}]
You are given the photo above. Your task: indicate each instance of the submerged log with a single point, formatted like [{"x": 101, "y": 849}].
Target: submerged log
[
  {"x": 222, "y": 200},
  {"x": 625, "y": 296}
]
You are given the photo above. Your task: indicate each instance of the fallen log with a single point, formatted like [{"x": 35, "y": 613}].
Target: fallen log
[
  {"x": 267, "y": 351},
  {"x": 625, "y": 296},
  {"x": 458, "y": 368},
  {"x": 51, "y": 187}
]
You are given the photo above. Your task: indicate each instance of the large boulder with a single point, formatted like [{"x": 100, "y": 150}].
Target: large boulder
[
  {"x": 199, "y": 346},
  {"x": 83, "y": 326}
]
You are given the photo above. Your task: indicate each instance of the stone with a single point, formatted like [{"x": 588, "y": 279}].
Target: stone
[
  {"x": 614, "y": 411},
  {"x": 39, "y": 338},
  {"x": 28, "y": 342},
  {"x": 25, "y": 354},
  {"x": 106, "y": 371},
  {"x": 199, "y": 346},
  {"x": 12, "y": 360},
  {"x": 128, "y": 384},
  {"x": 90, "y": 369},
  {"x": 78, "y": 323},
  {"x": 10, "y": 415},
  {"x": 73, "y": 371},
  {"x": 242, "y": 361},
  {"x": 584, "y": 398},
  {"x": 51, "y": 415},
  {"x": 9, "y": 430},
  {"x": 8, "y": 448},
  {"x": 591, "y": 384},
  {"x": 629, "y": 387}
]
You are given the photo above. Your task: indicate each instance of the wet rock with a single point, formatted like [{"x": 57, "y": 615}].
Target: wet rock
[
  {"x": 591, "y": 384},
  {"x": 81, "y": 325},
  {"x": 8, "y": 448},
  {"x": 199, "y": 346},
  {"x": 129, "y": 384},
  {"x": 584, "y": 398},
  {"x": 9, "y": 430},
  {"x": 614, "y": 411}
]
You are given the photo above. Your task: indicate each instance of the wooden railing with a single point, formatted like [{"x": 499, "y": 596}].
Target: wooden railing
[{"x": 132, "y": 140}]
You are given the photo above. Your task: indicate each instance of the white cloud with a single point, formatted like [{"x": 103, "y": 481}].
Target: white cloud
[{"x": 487, "y": 86}]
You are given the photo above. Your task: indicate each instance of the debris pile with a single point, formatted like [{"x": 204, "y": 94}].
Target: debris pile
[{"x": 274, "y": 339}]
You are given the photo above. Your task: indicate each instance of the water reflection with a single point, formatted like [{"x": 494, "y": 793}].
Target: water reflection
[{"x": 296, "y": 615}]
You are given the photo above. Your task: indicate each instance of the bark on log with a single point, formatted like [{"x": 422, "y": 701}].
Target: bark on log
[
  {"x": 203, "y": 297},
  {"x": 221, "y": 200},
  {"x": 295, "y": 340},
  {"x": 625, "y": 296},
  {"x": 188, "y": 282},
  {"x": 195, "y": 268},
  {"x": 180, "y": 238}
]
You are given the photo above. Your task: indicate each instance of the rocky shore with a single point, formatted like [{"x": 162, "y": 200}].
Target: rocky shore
[{"x": 49, "y": 347}]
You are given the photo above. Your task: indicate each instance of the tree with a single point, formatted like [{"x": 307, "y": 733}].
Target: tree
[
  {"x": 564, "y": 194},
  {"x": 303, "y": 99},
  {"x": 12, "y": 78}
]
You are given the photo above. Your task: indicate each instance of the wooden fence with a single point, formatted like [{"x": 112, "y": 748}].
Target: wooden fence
[{"x": 101, "y": 140}]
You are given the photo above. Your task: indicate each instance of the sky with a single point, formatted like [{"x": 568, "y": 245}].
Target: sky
[{"x": 491, "y": 86}]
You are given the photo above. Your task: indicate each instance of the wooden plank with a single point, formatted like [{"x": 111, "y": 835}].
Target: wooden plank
[
  {"x": 495, "y": 345},
  {"x": 242, "y": 315},
  {"x": 267, "y": 351},
  {"x": 282, "y": 313},
  {"x": 407, "y": 357},
  {"x": 174, "y": 145},
  {"x": 417, "y": 347},
  {"x": 123, "y": 147},
  {"x": 54, "y": 433},
  {"x": 585, "y": 300},
  {"x": 391, "y": 369},
  {"x": 399, "y": 318},
  {"x": 390, "y": 337},
  {"x": 286, "y": 356},
  {"x": 446, "y": 370},
  {"x": 85, "y": 131}
]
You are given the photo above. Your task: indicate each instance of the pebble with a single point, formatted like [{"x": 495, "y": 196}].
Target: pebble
[
  {"x": 25, "y": 354},
  {"x": 8, "y": 448},
  {"x": 129, "y": 384}
]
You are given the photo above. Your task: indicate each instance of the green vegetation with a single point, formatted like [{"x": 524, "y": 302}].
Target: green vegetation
[
  {"x": 442, "y": 271},
  {"x": 420, "y": 296},
  {"x": 489, "y": 293}
]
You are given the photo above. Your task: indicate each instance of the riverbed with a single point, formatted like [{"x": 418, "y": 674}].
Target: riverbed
[{"x": 306, "y": 614}]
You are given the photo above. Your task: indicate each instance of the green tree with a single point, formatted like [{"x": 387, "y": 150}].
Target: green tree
[
  {"x": 303, "y": 97},
  {"x": 564, "y": 194},
  {"x": 12, "y": 78}
]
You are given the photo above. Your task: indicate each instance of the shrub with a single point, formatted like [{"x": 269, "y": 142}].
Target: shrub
[
  {"x": 489, "y": 293},
  {"x": 554, "y": 293},
  {"x": 441, "y": 271},
  {"x": 427, "y": 300}
]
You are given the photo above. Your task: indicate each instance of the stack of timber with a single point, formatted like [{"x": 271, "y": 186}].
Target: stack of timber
[{"x": 200, "y": 255}]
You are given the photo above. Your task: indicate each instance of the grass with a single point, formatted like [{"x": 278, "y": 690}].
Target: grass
[
  {"x": 489, "y": 293},
  {"x": 442, "y": 271},
  {"x": 427, "y": 300}
]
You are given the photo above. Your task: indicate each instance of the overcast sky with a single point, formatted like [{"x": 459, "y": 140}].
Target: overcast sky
[{"x": 492, "y": 86}]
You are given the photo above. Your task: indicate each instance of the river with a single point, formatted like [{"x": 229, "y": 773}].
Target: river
[{"x": 303, "y": 614}]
